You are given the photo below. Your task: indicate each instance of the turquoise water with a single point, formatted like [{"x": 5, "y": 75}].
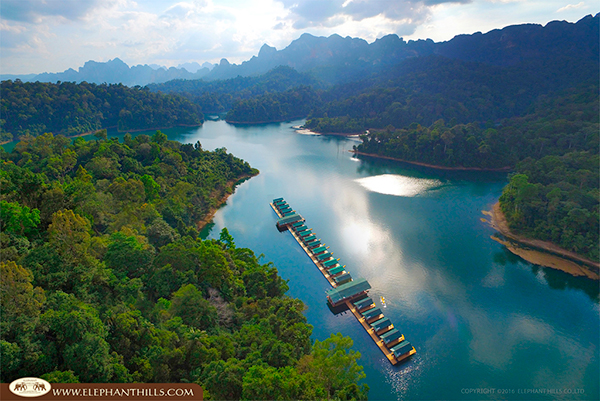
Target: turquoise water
[
  {"x": 485, "y": 323},
  {"x": 480, "y": 318}
]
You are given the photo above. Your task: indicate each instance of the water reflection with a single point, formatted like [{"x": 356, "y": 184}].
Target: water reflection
[
  {"x": 555, "y": 279},
  {"x": 398, "y": 185}
]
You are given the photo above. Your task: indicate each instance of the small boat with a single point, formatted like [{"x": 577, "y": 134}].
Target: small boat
[{"x": 383, "y": 301}]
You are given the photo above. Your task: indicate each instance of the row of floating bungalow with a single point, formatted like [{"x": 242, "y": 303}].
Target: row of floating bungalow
[{"x": 346, "y": 291}]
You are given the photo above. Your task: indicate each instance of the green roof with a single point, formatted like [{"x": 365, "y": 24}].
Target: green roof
[
  {"x": 309, "y": 238},
  {"x": 381, "y": 324},
  {"x": 390, "y": 336},
  {"x": 371, "y": 313},
  {"x": 401, "y": 348},
  {"x": 342, "y": 278},
  {"x": 336, "y": 270},
  {"x": 298, "y": 224},
  {"x": 348, "y": 290},
  {"x": 319, "y": 249},
  {"x": 330, "y": 263},
  {"x": 289, "y": 219},
  {"x": 305, "y": 233},
  {"x": 363, "y": 302},
  {"x": 324, "y": 256}
]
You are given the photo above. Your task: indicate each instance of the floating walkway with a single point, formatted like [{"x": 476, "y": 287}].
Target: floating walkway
[{"x": 346, "y": 291}]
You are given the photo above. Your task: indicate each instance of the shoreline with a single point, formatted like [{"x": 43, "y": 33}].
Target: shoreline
[
  {"x": 157, "y": 129},
  {"x": 118, "y": 131},
  {"x": 542, "y": 252},
  {"x": 261, "y": 122},
  {"x": 211, "y": 213},
  {"x": 435, "y": 166},
  {"x": 310, "y": 132}
]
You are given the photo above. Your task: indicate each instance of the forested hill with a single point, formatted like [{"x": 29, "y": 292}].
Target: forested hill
[
  {"x": 424, "y": 90},
  {"x": 69, "y": 109},
  {"x": 556, "y": 125},
  {"x": 104, "y": 278},
  {"x": 449, "y": 83},
  {"x": 221, "y": 95}
]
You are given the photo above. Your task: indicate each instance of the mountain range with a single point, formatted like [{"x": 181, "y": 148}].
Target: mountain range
[
  {"x": 337, "y": 59},
  {"x": 116, "y": 71}
]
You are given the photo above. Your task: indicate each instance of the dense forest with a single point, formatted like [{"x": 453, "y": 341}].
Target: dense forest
[
  {"x": 69, "y": 109},
  {"x": 420, "y": 90},
  {"x": 555, "y": 199},
  {"x": 223, "y": 95},
  {"x": 104, "y": 278},
  {"x": 555, "y": 126},
  {"x": 281, "y": 106}
]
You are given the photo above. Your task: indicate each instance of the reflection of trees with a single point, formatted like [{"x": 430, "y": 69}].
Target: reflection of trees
[{"x": 556, "y": 279}]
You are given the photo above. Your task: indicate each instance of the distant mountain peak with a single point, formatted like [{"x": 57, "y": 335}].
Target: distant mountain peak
[{"x": 266, "y": 50}]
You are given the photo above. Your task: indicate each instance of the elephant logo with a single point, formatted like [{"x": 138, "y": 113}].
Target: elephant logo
[{"x": 30, "y": 387}]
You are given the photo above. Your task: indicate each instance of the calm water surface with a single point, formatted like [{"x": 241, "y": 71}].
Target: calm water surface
[{"x": 482, "y": 320}]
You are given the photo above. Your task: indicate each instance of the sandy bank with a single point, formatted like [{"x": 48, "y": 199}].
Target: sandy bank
[
  {"x": 541, "y": 252},
  {"x": 305, "y": 131},
  {"x": 501, "y": 169}
]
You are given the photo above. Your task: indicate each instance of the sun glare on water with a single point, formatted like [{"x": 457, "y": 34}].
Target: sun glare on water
[{"x": 398, "y": 185}]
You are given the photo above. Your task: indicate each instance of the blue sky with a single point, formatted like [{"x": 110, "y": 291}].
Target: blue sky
[{"x": 53, "y": 35}]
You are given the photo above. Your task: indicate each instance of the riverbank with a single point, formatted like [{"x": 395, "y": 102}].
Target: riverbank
[
  {"x": 230, "y": 185},
  {"x": 119, "y": 131},
  {"x": 305, "y": 131},
  {"x": 158, "y": 129},
  {"x": 541, "y": 252},
  {"x": 435, "y": 166},
  {"x": 289, "y": 119}
]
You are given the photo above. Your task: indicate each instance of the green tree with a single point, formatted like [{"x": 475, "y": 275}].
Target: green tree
[
  {"x": 18, "y": 219},
  {"x": 189, "y": 304},
  {"x": 333, "y": 365},
  {"x": 127, "y": 256},
  {"x": 151, "y": 188},
  {"x": 21, "y": 302},
  {"x": 60, "y": 377}
]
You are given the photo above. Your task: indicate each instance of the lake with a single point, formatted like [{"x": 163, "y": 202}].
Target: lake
[{"x": 485, "y": 323}]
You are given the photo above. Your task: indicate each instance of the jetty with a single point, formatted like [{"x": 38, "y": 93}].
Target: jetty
[{"x": 346, "y": 291}]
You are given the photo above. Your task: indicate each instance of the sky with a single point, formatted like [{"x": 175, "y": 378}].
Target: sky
[{"x": 54, "y": 35}]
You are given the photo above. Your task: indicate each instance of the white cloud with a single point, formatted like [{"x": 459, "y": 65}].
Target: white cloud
[
  {"x": 36, "y": 11},
  {"x": 55, "y": 35},
  {"x": 571, "y": 7}
]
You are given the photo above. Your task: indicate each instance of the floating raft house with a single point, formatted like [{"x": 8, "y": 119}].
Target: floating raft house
[
  {"x": 391, "y": 337},
  {"x": 372, "y": 313},
  {"x": 336, "y": 270},
  {"x": 330, "y": 263},
  {"x": 343, "y": 278},
  {"x": 284, "y": 222},
  {"x": 364, "y": 303},
  {"x": 346, "y": 290}
]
